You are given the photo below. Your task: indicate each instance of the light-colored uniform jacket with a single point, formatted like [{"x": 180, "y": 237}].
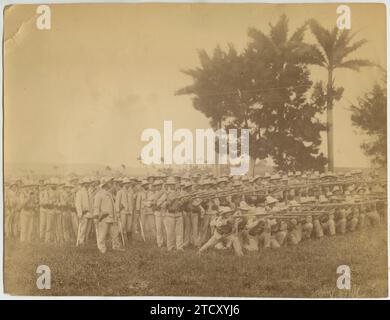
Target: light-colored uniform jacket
[
  {"x": 104, "y": 206},
  {"x": 122, "y": 201},
  {"x": 82, "y": 203}
]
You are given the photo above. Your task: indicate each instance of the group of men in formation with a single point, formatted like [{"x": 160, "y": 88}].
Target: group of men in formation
[{"x": 181, "y": 211}]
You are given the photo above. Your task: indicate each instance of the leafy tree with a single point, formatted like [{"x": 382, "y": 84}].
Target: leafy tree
[
  {"x": 334, "y": 48},
  {"x": 370, "y": 116},
  {"x": 265, "y": 90}
]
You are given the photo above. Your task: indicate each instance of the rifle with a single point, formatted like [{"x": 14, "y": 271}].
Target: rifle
[
  {"x": 272, "y": 189},
  {"x": 120, "y": 229}
]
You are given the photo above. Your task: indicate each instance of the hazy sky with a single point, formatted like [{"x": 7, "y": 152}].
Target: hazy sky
[{"x": 83, "y": 91}]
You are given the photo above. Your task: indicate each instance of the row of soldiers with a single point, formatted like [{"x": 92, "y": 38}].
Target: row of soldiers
[{"x": 205, "y": 212}]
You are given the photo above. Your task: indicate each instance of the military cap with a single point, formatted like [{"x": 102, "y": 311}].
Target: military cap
[
  {"x": 256, "y": 177},
  {"x": 244, "y": 178},
  {"x": 105, "y": 180},
  {"x": 126, "y": 180},
  {"x": 224, "y": 210},
  {"x": 144, "y": 183},
  {"x": 237, "y": 183},
  {"x": 28, "y": 183},
  {"x": 311, "y": 199},
  {"x": 322, "y": 199},
  {"x": 222, "y": 179},
  {"x": 85, "y": 180},
  {"x": 13, "y": 183},
  {"x": 270, "y": 200},
  {"x": 170, "y": 181},
  {"x": 157, "y": 182},
  {"x": 196, "y": 202},
  {"x": 244, "y": 206},
  {"x": 360, "y": 188},
  {"x": 187, "y": 185},
  {"x": 206, "y": 182},
  {"x": 336, "y": 189}
]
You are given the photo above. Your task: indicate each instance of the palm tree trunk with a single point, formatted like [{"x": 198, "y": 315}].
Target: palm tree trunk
[
  {"x": 253, "y": 165},
  {"x": 329, "y": 119}
]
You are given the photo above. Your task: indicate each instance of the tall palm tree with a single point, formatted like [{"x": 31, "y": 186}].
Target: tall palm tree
[{"x": 332, "y": 52}]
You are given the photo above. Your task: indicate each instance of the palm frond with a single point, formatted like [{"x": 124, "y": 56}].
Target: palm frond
[
  {"x": 279, "y": 31},
  {"x": 355, "y": 64},
  {"x": 322, "y": 36},
  {"x": 354, "y": 46}
]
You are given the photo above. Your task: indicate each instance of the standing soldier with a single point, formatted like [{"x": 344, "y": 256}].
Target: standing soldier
[
  {"x": 60, "y": 206},
  {"x": 42, "y": 209},
  {"x": 159, "y": 213},
  {"x": 147, "y": 220},
  {"x": 51, "y": 212},
  {"x": 11, "y": 208},
  {"x": 92, "y": 190},
  {"x": 16, "y": 216},
  {"x": 122, "y": 207},
  {"x": 138, "y": 203},
  {"x": 173, "y": 217},
  {"x": 67, "y": 203},
  {"x": 131, "y": 192},
  {"x": 27, "y": 207},
  {"x": 210, "y": 209},
  {"x": 83, "y": 209},
  {"x": 35, "y": 220},
  {"x": 104, "y": 212},
  {"x": 44, "y": 202},
  {"x": 187, "y": 188},
  {"x": 73, "y": 212}
]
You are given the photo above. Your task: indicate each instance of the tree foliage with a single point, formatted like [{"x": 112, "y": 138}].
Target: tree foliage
[
  {"x": 332, "y": 52},
  {"x": 369, "y": 115},
  {"x": 266, "y": 89}
]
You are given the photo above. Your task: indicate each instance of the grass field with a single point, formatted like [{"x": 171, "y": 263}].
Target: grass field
[{"x": 308, "y": 270}]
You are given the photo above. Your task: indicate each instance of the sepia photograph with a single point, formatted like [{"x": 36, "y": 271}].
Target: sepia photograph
[{"x": 195, "y": 150}]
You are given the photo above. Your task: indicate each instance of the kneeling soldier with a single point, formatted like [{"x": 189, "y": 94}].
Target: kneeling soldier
[
  {"x": 353, "y": 219},
  {"x": 294, "y": 235},
  {"x": 225, "y": 228},
  {"x": 278, "y": 233},
  {"x": 341, "y": 221}
]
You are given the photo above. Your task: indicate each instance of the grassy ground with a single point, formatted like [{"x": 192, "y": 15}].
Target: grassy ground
[{"x": 308, "y": 270}]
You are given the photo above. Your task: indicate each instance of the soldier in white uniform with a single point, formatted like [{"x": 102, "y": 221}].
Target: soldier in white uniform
[
  {"x": 104, "y": 212},
  {"x": 225, "y": 229},
  {"x": 84, "y": 210},
  {"x": 51, "y": 212},
  {"x": 122, "y": 206},
  {"x": 173, "y": 217},
  {"x": 11, "y": 208},
  {"x": 26, "y": 202}
]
